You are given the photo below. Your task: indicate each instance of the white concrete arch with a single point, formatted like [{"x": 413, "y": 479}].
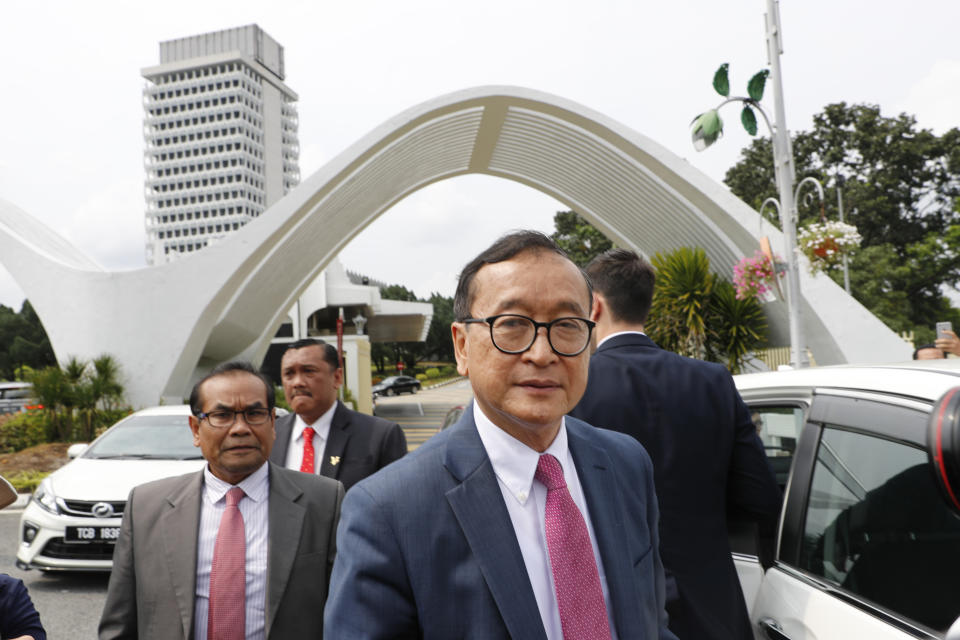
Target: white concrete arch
[{"x": 165, "y": 323}]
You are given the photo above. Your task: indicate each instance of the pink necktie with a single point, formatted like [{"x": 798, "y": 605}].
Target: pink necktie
[
  {"x": 583, "y": 614},
  {"x": 307, "y": 465},
  {"x": 228, "y": 581}
]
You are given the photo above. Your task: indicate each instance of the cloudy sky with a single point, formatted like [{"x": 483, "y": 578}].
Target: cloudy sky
[{"x": 71, "y": 141}]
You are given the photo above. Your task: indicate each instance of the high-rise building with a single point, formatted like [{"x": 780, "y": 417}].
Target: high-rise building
[{"x": 221, "y": 138}]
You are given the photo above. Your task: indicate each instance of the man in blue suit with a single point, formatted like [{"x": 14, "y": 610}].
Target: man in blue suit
[
  {"x": 707, "y": 457},
  {"x": 516, "y": 522}
]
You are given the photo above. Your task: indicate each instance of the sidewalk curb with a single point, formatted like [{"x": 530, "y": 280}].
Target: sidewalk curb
[{"x": 445, "y": 383}]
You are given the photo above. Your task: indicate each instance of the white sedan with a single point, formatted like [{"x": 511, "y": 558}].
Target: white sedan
[
  {"x": 868, "y": 544},
  {"x": 73, "y": 519}
]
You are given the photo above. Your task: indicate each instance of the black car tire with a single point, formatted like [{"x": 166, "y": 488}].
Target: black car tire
[{"x": 388, "y": 392}]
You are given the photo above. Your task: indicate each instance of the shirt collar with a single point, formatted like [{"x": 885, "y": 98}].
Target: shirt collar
[
  {"x": 513, "y": 462},
  {"x": 255, "y": 486},
  {"x": 321, "y": 427},
  {"x": 620, "y": 333}
]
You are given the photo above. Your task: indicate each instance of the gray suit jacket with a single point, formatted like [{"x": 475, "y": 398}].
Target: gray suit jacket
[
  {"x": 357, "y": 445},
  {"x": 153, "y": 584}
]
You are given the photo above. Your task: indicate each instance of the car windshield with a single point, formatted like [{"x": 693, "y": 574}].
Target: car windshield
[
  {"x": 147, "y": 437},
  {"x": 390, "y": 380}
]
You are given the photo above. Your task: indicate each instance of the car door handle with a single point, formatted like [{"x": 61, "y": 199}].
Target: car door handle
[{"x": 772, "y": 629}]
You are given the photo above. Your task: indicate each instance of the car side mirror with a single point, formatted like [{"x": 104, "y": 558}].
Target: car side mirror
[
  {"x": 943, "y": 446},
  {"x": 75, "y": 450}
]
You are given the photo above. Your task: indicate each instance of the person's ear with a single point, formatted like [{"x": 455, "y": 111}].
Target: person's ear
[
  {"x": 598, "y": 308},
  {"x": 195, "y": 428},
  {"x": 458, "y": 331}
]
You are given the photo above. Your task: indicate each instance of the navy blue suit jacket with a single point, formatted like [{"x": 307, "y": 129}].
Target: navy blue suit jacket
[
  {"x": 707, "y": 458},
  {"x": 426, "y": 549},
  {"x": 18, "y": 617}
]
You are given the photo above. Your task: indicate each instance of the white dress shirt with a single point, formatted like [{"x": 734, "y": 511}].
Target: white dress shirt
[
  {"x": 620, "y": 333},
  {"x": 515, "y": 464},
  {"x": 254, "y": 509},
  {"x": 321, "y": 431}
]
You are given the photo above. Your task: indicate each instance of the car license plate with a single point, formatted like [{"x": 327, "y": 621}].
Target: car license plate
[{"x": 92, "y": 534}]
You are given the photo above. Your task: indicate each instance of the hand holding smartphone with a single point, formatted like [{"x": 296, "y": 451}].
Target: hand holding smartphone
[{"x": 942, "y": 327}]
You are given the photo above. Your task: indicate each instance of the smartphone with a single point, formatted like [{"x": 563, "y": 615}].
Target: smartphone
[{"x": 943, "y": 326}]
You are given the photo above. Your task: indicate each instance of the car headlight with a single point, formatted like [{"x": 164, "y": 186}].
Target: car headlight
[{"x": 45, "y": 498}]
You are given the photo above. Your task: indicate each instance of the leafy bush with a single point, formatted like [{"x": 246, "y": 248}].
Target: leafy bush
[
  {"x": 448, "y": 371},
  {"x": 431, "y": 373},
  {"x": 421, "y": 377},
  {"x": 27, "y": 481},
  {"x": 23, "y": 430}
]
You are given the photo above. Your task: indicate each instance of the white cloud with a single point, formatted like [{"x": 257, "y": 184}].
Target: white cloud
[{"x": 934, "y": 98}]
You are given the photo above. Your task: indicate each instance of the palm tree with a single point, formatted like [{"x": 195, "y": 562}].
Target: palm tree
[
  {"x": 678, "y": 317},
  {"x": 695, "y": 312},
  {"x": 105, "y": 382}
]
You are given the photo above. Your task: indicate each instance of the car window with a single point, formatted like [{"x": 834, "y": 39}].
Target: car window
[
  {"x": 877, "y": 527},
  {"x": 163, "y": 437},
  {"x": 778, "y": 428}
]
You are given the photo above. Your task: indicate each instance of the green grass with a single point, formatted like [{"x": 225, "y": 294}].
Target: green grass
[{"x": 27, "y": 481}]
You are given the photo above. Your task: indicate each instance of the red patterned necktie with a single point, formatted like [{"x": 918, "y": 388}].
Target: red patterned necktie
[
  {"x": 307, "y": 465},
  {"x": 583, "y": 614},
  {"x": 227, "y": 617}
]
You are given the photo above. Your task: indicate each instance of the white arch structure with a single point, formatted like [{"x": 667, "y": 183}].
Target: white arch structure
[{"x": 166, "y": 324}]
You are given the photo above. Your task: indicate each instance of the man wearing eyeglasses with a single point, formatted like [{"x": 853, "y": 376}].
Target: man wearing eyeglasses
[
  {"x": 241, "y": 549},
  {"x": 517, "y": 522}
]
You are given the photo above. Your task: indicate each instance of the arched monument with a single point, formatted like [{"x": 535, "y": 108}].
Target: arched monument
[{"x": 166, "y": 324}]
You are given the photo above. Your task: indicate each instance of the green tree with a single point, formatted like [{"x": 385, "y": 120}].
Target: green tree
[
  {"x": 900, "y": 187},
  {"x": 439, "y": 344},
  {"x": 578, "y": 238},
  {"x": 23, "y": 342},
  {"x": 80, "y": 398},
  {"x": 696, "y": 313}
]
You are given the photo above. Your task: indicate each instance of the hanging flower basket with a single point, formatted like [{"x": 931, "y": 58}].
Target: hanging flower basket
[
  {"x": 825, "y": 243},
  {"x": 754, "y": 277}
]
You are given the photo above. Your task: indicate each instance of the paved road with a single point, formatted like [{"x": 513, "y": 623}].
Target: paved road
[
  {"x": 69, "y": 603},
  {"x": 421, "y": 414}
]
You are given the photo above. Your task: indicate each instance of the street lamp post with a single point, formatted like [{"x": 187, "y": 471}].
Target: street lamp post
[
  {"x": 707, "y": 128},
  {"x": 846, "y": 267},
  {"x": 783, "y": 166}
]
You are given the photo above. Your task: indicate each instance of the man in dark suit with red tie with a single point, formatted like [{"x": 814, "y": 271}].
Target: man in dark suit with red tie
[
  {"x": 707, "y": 458},
  {"x": 323, "y": 436}
]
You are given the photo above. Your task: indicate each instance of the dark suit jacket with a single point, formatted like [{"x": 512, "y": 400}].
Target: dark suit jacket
[
  {"x": 153, "y": 583},
  {"x": 362, "y": 444},
  {"x": 427, "y": 548},
  {"x": 18, "y": 617},
  {"x": 707, "y": 458}
]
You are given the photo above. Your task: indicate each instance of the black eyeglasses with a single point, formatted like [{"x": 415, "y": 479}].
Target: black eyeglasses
[
  {"x": 223, "y": 418},
  {"x": 513, "y": 333}
]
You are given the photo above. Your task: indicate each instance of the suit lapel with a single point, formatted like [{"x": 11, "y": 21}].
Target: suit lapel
[
  {"x": 285, "y": 517},
  {"x": 181, "y": 525},
  {"x": 477, "y": 503},
  {"x": 605, "y": 506},
  {"x": 336, "y": 442}
]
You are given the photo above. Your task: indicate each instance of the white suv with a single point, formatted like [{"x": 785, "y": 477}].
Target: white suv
[{"x": 868, "y": 545}]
